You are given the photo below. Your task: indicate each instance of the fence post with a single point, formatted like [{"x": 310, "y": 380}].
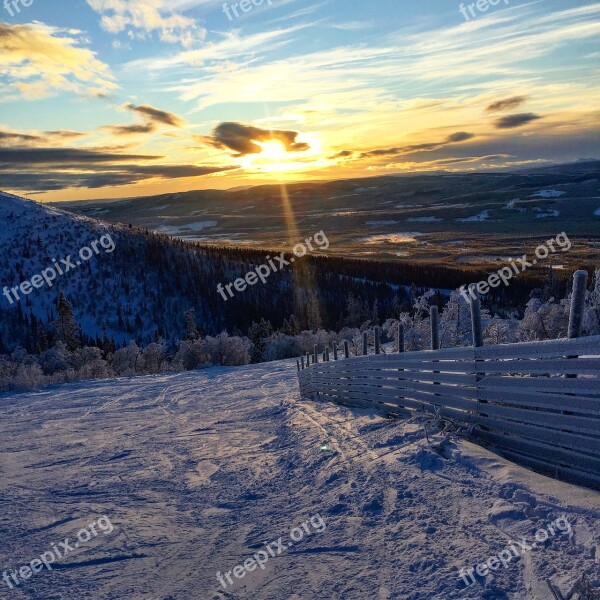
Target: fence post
[
  {"x": 476, "y": 317},
  {"x": 324, "y": 355},
  {"x": 377, "y": 340},
  {"x": 316, "y": 356},
  {"x": 346, "y": 349},
  {"x": 400, "y": 337},
  {"x": 435, "y": 327},
  {"x": 302, "y": 359},
  {"x": 577, "y": 304},
  {"x": 365, "y": 343},
  {"x": 477, "y": 340},
  {"x": 298, "y": 365},
  {"x": 327, "y": 353},
  {"x": 576, "y": 313},
  {"x": 308, "y": 359},
  {"x": 335, "y": 351}
]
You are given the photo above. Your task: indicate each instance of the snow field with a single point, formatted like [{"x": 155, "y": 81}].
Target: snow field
[{"x": 197, "y": 470}]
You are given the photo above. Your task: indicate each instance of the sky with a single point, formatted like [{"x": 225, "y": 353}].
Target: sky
[{"x": 121, "y": 98}]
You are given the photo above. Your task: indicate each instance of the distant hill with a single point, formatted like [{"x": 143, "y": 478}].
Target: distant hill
[{"x": 455, "y": 219}]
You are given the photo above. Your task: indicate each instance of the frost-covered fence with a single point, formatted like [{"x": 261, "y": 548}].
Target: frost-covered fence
[{"x": 537, "y": 402}]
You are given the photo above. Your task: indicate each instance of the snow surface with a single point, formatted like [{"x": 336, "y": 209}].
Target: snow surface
[
  {"x": 197, "y": 470},
  {"x": 482, "y": 216},
  {"x": 424, "y": 219},
  {"x": 187, "y": 227},
  {"x": 550, "y": 213},
  {"x": 548, "y": 194},
  {"x": 406, "y": 237}
]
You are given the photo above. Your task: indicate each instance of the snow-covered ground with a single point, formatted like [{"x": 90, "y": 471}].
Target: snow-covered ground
[{"x": 196, "y": 471}]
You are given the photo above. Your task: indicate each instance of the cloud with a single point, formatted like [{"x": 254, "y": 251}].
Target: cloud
[
  {"x": 61, "y": 168},
  {"x": 155, "y": 115},
  {"x": 242, "y": 138},
  {"x": 130, "y": 129},
  {"x": 151, "y": 117},
  {"x": 138, "y": 17},
  {"x": 506, "y": 104},
  {"x": 454, "y": 138},
  {"x": 65, "y": 156},
  {"x": 341, "y": 154},
  {"x": 459, "y": 136},
  {"x": 39, "y": 61},
  {"x": 44, "y": 138},
  {"x": 511, "y": 121}
]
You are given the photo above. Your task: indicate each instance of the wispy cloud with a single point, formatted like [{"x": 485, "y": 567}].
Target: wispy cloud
[
  {"x": 39, "y": 61},
  {"x": 140, "y": 17}
]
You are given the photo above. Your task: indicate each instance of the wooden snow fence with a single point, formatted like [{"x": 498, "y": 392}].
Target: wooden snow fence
[{"x": 538, "y": 403}]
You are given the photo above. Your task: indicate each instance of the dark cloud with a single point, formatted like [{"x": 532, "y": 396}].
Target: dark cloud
[
  {"x": 155, "y": 115},
  {"x": 519, "y": 120},
  {"x": 507, "y": 104},
  {"x": 15, "y": 138},
  {"x": 9, "y": 138},
  {"x": 60, "y": 157},
  {"x": 342, "y": 154},
  {"x": 459, "y": 136},
  {"x": 454, "y": 138},
  {"x": 40, "y": 178},
  {"x": 129, "y": 129},
  {"x": 242, "y": 138}
]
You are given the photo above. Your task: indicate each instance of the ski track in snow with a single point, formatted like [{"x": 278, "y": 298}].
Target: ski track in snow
[{"x": 196, "y": 470}]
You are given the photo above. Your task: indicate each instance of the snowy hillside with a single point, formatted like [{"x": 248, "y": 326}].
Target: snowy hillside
[
  {"x": 141, "y": 285},
  {"x": 196, "y": 471}
]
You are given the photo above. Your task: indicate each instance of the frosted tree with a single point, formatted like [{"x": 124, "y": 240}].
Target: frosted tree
[
  {"x": 55, "y": 359},
  {"x": 191, "y": 330},
  {"x": 154, "y": 356},
  {"x": 125, "y": 361},
  {"x": 65, "y": 326},
  {"x": 27, "y": 377},
  {"x": 455, "y": 322}
]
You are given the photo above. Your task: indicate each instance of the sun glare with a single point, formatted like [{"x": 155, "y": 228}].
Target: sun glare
[{"x": 273, "y": 150}]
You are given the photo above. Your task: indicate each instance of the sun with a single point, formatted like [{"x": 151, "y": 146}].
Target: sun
[{"x": 273, "y": 150}]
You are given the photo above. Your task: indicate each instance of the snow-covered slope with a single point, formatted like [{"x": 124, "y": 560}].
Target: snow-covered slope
[
  {"x": 136, "y": 285},
  {"x": 196, "y": 471}
]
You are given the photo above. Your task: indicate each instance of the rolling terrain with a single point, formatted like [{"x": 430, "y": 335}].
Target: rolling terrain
[{"x": 465, "y": 220}]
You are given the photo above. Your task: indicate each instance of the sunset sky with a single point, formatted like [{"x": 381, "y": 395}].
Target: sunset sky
[{"x": 115, "y": 98}]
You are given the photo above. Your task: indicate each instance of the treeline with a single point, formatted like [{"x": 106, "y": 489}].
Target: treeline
[
  {"x": 142, "y": 290},
  {"x": 69, "y": 359}
]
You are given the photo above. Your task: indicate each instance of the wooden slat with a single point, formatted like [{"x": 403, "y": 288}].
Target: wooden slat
[
  {"x": 467, "y": 379},
  {"x": 540, "y": 400},
  {"x": 534, "y": 365},
  {"x": 560, "y": 422},
  {"x": 457, "y": 381},
  {"x": 572, "y": 441},
  {"x": 576, "y": 476},
  {"x": 586, "y": 385},
  {"x": 560, "y": 456}
]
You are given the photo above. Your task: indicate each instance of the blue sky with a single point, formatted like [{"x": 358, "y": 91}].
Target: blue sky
[{"x": 127, "y": 97}]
